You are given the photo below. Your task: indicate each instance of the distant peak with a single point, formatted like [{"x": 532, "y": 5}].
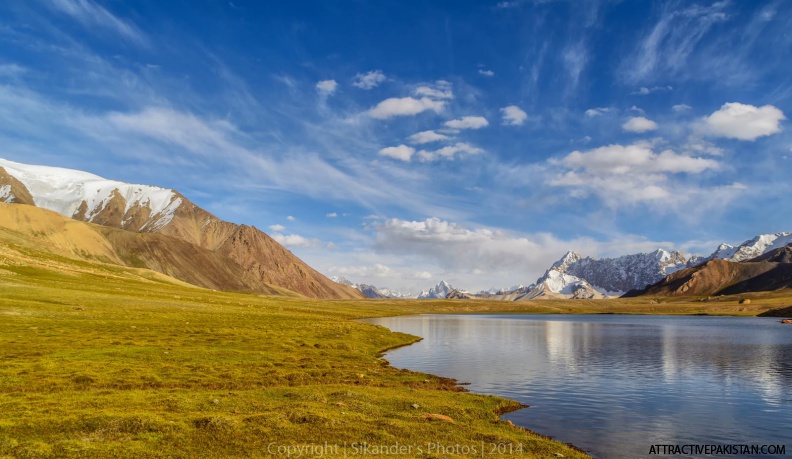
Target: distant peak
[{"x": 568, "y": 258}]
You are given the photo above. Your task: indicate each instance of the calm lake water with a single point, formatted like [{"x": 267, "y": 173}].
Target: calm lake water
[{"x": 615, "y": 385}]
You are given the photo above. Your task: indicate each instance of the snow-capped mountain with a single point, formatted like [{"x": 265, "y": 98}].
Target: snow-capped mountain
[
  {"x": 88, "y": 197},
  {"x": 557, "y": 283},
  {"x": 370, "y": 291},
  {"x": 626, "y": 272},
  {"x": 575, "y": 276},
  {"x": 440, "y": 290},
  {"x": 752, "y": 248},
  {"x": 149, "y": 209}
]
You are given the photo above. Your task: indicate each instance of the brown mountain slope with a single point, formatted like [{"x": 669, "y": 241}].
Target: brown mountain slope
[
  {"x": 17, "y": 192},
  {"x": 772, "y": 271},
  {"x": 260, "y": 255},
  {"x": 781, "y": 255},
  {"x": 254, "y": 250},
  {"x": 173, "y": 257}
]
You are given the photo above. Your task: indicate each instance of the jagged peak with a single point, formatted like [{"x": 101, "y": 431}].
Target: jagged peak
[{"x": 568, "y": 258}]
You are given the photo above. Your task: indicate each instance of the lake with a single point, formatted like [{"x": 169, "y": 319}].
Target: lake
[{"x": 613, "y": 385}]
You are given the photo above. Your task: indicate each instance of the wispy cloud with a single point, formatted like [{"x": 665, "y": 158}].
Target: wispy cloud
[
  {"x": 89, "y": 14},
  {"x": 666, "y": 49},
  {"x": 441, "y": 90},
  {"x": 427, "y": 137},
  {"x": 644, "y": 91},
  {"x": 449, "y": 152},
  {"x": 468, "y": 122},
  {"x": 592, "y": 112},
  {"x": 575, "y": 58}
]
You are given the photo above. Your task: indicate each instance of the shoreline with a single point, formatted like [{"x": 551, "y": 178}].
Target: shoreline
[{"x": 498, "y": 412}]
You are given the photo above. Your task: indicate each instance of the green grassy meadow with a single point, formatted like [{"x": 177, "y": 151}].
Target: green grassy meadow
[{"x": 103, "y": 361}]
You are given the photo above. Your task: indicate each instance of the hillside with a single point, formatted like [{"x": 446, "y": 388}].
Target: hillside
[
  {"x": 153, "y": 210},
  {"x": 767, "y": 272},
  {"x": 35, "y": 227}
]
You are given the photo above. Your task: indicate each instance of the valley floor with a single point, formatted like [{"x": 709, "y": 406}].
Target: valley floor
[{"x": 104, "y": 361}]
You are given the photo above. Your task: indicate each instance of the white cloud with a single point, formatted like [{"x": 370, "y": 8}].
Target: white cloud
[
  {"x": 90, "y": 14},
  {"x": 326, "y": 87},
  {"x": 745, "y": 122},
  {"x": 369, "y": 80},
  {"x": 449, "y": 152},
  {"x": 442, "y": 90},
  {"x": 627, "y": 174},
  {"x": 468, "y": 122},
  {"x": 405, "y": 106},
  {"x": 681, "y": 108},
  {"x": 376, "y": 270},
  {"x": 639, "y": 124},
  {"x": 592, "y": 112},
  {"x": 644, "y": 91},
  {"x": 478, "y": 256},
  {"x": 427, "y": 137},
  {"x": 632, "y": 159},
  {"x": 402, "y": 152},
  {"x": 513, "y": 115},
  {"x": 277, "y": 228},
  {"x": 332, "y": 215},
  {"x": 487, "y": 73},
  {"x": 290, "y": 218},
  {"x": 294, "y": 240}
]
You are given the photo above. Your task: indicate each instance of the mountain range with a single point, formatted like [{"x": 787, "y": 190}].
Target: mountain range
[
  {"x": 371, "y": 291},
  {"x": 158, "y": 229},
  {"x": 717, "y": 276},
  {"x": 579, "y": 277}
]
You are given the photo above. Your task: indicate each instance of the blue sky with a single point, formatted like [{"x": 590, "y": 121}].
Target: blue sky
[{"x": 400, "y": 143}]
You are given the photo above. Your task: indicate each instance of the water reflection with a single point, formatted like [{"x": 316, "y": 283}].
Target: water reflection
[{"x": 614, "y": 385}]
